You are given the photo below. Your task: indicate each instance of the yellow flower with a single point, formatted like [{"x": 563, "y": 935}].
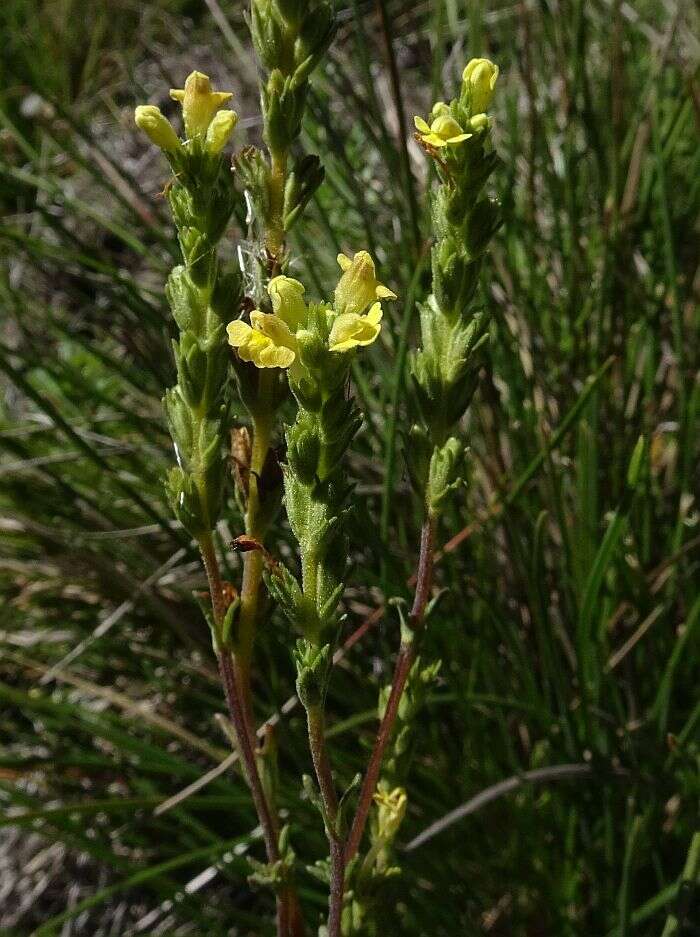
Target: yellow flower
[
  {"x": 220, "y": 129},
  {"x": 358, "y": 286},
  {"x": 443, "y": 129},
  {"x": 199, "y": 103},
  {"x": 350, "y": 329},
  {"x": 268, "y": 341},
  {"x": 156, "y": 126},
  {"x": 391, "y": 810},
  {"x": 480, "y": 75}
]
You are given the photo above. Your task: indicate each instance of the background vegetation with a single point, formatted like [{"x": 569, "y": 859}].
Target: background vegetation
[{"x": 565, "y": 562}]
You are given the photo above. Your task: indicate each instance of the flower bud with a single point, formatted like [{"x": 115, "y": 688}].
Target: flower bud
[
  {"x": 156, "y": 126},
  {"x": 220, "y": 129},
  {"x": 303, "y": 450},
  {"x": 480, "y": 79},
  {"x": 443, "y": 474},
  {"x": 480, "y": 122}
]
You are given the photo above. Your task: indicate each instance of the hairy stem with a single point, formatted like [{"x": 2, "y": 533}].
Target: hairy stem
[
  {"x": 253, "y": 561},
  {"x": 274, "y": 236},
  {"x": 404, "y": 662},
  {"x": 337, "y": 891},
  {"x": 324, "y": 776}
]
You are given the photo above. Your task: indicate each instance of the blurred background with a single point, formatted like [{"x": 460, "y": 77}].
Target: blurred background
[{"x": 563, "y": 556}]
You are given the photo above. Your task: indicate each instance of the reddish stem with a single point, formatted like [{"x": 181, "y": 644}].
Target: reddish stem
[
  {"x": 337, "y": 892},
  {"x": 404, "y": 662},
  {"x": 286, "y": 904},
  {"x": 324, "y": 776}
]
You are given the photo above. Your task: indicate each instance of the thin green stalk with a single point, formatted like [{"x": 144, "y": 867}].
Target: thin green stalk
[{"x": 691, "y": 877}]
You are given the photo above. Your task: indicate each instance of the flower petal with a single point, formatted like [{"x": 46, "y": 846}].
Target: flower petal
[
  {"x": 238, "y": 332},
  {"x": 445, "y": 126},
  {"x": 274, "y": 328},
  {"x": 421, "y": 125},
  {"x": 252, "y": 346},
  {"x": 432, "y": 139},
  {"x": 350, "y": 330},
  {"x": 274, "y": 356},
  {"x": 374, "y": 316},
  {"x": 199, "y": 102}
]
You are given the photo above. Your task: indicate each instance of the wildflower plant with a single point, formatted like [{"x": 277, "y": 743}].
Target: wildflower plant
[{"x": 256, "y": 333}]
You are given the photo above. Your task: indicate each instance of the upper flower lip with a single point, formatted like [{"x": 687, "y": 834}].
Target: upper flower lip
[{"x": 287, "y": 297}]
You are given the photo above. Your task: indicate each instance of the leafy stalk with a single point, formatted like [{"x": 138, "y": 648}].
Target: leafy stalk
[
  {"x": 444, "y": 375},
  {"x": 290, "y": 38},
  {"x": 202, "y": 300}
]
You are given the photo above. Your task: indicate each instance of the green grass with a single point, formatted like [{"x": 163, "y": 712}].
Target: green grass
[{"x": 569, "y": 630}]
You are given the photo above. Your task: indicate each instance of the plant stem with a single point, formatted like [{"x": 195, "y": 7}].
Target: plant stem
[
  {"x": 404, "y": 662},
  {"x": 274, "y": 236},
  {"x": 324, "y": 776},
  {"x": 268, "y": 821},
  {"x": 337, "y": 892},
  {"x": 230, "y": 678},
  {"x": 253, "y": 560}
]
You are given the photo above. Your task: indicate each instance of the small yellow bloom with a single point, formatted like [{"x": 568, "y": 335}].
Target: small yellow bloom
[
  {"x": 442, "y": 131},
  {"x": 350, "y": 329},
  {"x": 220, "y": 129},
  {"x": 156, "y": 126},
  {"x": 199, "y": 103},
  {"x": 287, "y": 297},
  {"x": 358, "y": 286},
  {"x": 391, "y": 811},
  {"x": 481, "y": 76},
  {"x": 268, "y": 341}
]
